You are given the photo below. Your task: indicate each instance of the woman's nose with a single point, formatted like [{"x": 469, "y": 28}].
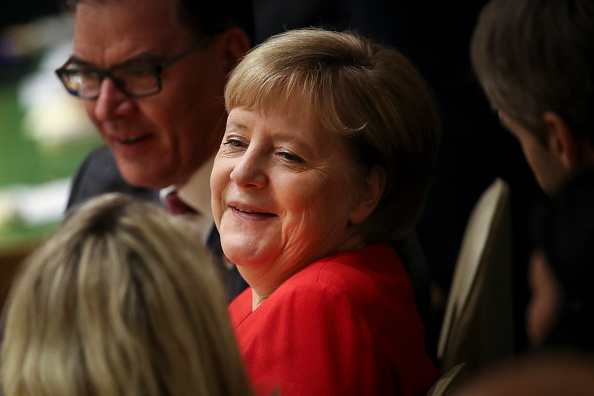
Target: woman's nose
[
  {"x": 112, "y": 102},
  {"x": 250, "y": 170}
]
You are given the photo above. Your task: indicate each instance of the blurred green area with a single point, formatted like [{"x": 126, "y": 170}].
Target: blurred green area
[
  {"x": 21, "y": 159},
  {"x": 24, "y": 161},
  {"x": 18, "y": 158}
]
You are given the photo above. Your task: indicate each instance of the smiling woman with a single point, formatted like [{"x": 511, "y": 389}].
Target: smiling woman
[
  {"x": 327, "y": 153},
  {"x": 288, "y": 192}
]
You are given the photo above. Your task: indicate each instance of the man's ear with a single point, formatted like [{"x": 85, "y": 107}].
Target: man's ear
[
  {"x": 563, "y": 143},
  {"x": 235, "y": 43},
  {"x": 369, "y": 194}
]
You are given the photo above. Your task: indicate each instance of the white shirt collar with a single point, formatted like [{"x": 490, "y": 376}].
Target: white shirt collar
[{"x": 196, "y": 192}]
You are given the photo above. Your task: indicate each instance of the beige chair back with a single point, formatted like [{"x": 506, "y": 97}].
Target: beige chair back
[
  {"x": 478, "y": 322},
  {"x": 448, "y": 381}
]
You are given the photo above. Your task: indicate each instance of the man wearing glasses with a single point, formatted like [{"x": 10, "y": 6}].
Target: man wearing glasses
[{"x": 151, "y": 74}]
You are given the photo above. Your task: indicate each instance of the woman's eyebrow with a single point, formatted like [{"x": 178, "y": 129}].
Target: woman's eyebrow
[{"x": 236, "y": 125}]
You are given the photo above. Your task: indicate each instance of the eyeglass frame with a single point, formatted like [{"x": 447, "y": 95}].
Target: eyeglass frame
[{"x": 156, "y": 70}]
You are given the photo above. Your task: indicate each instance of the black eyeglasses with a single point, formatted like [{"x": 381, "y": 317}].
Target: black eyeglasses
[{"x": 138, "y": 81}]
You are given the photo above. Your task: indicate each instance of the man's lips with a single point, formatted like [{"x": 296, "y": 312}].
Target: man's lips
[
  {"x": 131, "y": 139},
  {"x": 132, "y": 146}
]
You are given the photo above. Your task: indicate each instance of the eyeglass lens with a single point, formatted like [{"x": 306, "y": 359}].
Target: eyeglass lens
[{"x": 133, "y": 80}]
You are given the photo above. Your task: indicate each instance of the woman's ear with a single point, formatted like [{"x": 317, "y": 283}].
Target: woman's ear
[
  {"x": 235, "y": 44},
  {"x": 563, "y": 143},
  {"x": 368, "y": 196}
]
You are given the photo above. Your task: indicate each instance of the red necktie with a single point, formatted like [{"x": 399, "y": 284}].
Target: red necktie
[{"x": 176, "y": 206}]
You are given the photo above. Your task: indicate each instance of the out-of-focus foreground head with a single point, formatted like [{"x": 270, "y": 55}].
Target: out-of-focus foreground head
[
  {"x": 557, "y": 374},
  {"x": 120, "y": 301}
]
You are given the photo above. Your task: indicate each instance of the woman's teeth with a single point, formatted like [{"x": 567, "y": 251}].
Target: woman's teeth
[{"x": 246, "y": 210}]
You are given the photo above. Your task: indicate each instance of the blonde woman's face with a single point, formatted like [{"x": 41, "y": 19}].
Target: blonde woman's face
[{"x": 283, "y": 191}]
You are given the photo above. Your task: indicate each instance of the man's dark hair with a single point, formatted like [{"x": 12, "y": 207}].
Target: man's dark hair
[
  {"x": 207, "y": 16},
  {"x": 533, "y": 56},
  {"x": 214, "y": 16}
]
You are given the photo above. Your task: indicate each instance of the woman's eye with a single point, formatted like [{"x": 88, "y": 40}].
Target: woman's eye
[
  {"x": 290, "y": 156},
  {"x": 234, "y": 142}
]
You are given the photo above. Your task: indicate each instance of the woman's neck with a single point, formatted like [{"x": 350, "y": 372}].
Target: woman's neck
[
  {"x": 257, "y": 299},
  {"x": 266, "y": 278}
]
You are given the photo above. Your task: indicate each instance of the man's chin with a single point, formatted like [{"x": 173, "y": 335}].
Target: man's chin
[{"x": 144, "y": 178}]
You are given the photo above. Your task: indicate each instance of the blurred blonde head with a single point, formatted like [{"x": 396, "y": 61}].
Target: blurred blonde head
[{"x": 120, "y": 301}]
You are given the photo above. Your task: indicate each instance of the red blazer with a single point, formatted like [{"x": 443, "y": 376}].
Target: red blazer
[{"x": 344, "y": 325}]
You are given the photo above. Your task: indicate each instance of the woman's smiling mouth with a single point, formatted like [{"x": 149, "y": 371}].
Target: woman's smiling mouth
[{"x": 238, "y": 209}]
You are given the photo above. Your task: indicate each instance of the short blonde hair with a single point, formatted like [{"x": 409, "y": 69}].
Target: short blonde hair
[
  {"x": 119, "y": 302},
  {"x": 369, "y": 94}
]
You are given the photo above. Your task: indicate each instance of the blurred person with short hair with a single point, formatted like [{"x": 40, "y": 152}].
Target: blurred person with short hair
[{"x": 120, "y": 301}]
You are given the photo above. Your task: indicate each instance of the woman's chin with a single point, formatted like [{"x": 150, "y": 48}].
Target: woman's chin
[{"x": 246, "y": 252}]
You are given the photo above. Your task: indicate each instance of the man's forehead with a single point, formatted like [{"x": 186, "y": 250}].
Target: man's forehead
[
  {"x": 109, "y": 33},
  {"x": 139, "y": 17}
]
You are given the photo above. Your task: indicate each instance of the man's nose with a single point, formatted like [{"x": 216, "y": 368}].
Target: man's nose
[{"x": 112, "y": 102}]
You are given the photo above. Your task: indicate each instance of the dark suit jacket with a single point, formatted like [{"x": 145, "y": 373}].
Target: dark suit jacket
[{"x": 99, "y": 174}]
